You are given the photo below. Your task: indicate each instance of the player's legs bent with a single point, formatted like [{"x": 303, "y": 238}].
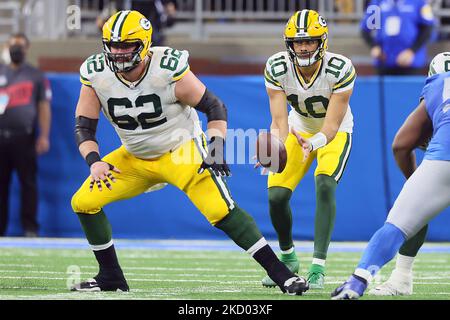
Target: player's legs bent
[
  {"x": 331, "y": 163},
  {"x": 89, "y": 207},
  {"x": 280, "y": 188},
  {"x": 418, "y": 202},
  {"x": 211, "y": 196}
]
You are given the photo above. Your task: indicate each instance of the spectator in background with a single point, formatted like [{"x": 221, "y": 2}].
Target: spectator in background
[
  {"x": 161, "y": 14},
  {"x": 24, "y": 131},
  {"x": 398, "y": 37}
]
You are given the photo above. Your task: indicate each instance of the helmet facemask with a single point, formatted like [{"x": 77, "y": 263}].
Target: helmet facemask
[
  {"x": 124, "y": 61},
  {"x": 314, "y": 56}
]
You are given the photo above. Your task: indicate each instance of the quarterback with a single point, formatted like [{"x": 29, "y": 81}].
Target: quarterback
[
  {"x": 147, "y": 94},
  {"x": 317, "y": 84}
]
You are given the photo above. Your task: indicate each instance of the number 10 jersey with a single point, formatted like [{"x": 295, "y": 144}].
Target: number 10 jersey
[
  {"x": 146, "y": 115},
  {"x": 309, "y": 101}
]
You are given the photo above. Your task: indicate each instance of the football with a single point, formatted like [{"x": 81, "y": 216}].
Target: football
[{"x": 271, "y": 152}]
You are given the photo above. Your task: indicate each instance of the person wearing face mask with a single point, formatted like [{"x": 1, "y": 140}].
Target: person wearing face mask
[{"x": 25, "y": 118}]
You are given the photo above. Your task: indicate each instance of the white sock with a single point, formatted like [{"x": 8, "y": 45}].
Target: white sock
[
  {"x": 404, "y": 263},
  {"x": 320, "y": 262},
  {"x": 258, "y": 245},
  {"x": 288, "y": 251},
  {"x": 363, "y": 273}
]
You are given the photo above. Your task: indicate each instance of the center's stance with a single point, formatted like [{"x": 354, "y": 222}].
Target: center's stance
[{"x": 147, "y": 94}]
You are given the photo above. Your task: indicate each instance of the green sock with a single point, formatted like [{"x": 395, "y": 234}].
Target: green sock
[
  {"x": 316, "y": 268},
  {"x": 325, "y": 214},
  {"x": 240, "y": 227},
  {"x": 96, "y": 227},
  {"x": 289, "y": 257},
  {"x": 412, "y": 245},
  {"x": 281, "y": 215}
]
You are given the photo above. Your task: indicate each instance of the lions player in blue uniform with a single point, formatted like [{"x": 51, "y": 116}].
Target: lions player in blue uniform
[
  {"x": 425, "y": 194},
  {"x": 400, "y": 282}
]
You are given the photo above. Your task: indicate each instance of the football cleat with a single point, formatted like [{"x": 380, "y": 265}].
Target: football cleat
[
  {"x": 398, "y": 284},
  {"x": 291, "y": 264},
  {"x": 316, "y": 277},
  {"x": 352, "y": 289},
  {"x": 91, "y": 285},
  {"x": 295, "y": 286}
]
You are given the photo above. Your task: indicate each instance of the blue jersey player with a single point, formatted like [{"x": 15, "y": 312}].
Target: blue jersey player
[{"x": 425, "y": 194}]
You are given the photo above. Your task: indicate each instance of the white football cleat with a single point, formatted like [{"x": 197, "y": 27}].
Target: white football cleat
[{"x": 398, "y": 284}]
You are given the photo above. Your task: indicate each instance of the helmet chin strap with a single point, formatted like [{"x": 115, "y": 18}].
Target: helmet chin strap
[{"x": 307, "y": 62}]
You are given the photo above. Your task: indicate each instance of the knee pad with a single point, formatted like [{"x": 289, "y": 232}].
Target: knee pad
[
  {"x": 83, "y": 204},
  {"x": 279, "y": 196}
]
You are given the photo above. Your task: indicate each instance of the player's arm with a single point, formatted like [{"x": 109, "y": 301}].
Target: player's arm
[
  {"x": 86, "y": 119},
  {"x": 278, "y": 110},
  {"x": 44, "y": 120},
  {"x": 191, "y": 91},
  {"x": 337, "y": 108},
  {"x": 415, "y": 131}
]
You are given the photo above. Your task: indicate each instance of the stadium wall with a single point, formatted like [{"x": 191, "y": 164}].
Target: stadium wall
[{"x": 362, "y": 194}]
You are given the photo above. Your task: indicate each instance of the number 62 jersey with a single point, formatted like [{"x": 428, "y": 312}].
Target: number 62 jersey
[
  {"x": 309, "y": 101},
  {"x": 146, "y": 115}
]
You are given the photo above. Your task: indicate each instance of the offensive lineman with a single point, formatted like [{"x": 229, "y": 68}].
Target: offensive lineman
[
  {"x": 318, "y": 85},
  {"x": 147, "y": 93}
]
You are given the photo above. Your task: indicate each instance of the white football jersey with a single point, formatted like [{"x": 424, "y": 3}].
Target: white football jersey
[
  {"x": 309, "y": 102},
  {"x": 146, "y": 115}
]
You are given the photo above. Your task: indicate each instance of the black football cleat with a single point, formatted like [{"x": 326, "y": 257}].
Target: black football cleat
[
  {"x": 295, "y": 286},
  {"x": 91, "y": 285}
]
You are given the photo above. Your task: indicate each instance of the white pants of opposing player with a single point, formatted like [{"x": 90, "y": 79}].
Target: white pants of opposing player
[{"x": 425, "y": 194}]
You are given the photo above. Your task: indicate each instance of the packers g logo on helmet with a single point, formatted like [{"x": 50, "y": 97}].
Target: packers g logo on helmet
[
  {"x": 306, "y": 25},
  {"x": 124, "y": 30}
]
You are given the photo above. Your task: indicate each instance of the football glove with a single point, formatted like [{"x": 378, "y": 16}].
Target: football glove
[{"x": 215, "y": 158}]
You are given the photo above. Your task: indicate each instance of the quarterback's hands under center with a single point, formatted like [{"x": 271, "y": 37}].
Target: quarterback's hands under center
[
  {"x": 100, "y": 171},
  {"x": 304, "y": 143}
]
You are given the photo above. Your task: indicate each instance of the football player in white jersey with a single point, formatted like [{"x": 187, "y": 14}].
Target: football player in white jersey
[
  {"x": 317, "y": 84},
  {"x": 150, "y": 97}
]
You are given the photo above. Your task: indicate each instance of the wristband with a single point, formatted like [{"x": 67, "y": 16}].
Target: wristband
[
  {"x": 92, "y": 157},
  {"x": 317, "y": 141}
]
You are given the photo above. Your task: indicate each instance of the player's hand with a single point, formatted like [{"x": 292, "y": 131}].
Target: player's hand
[
  {"x": 258, "y": 164},
  {"x": 42, "y": 145},
  {"x": 304, "y": 143},
  {"x": 376, "y": 52},
  {"x": 101, "y": 171},
  {"x": 405, "y": 58},
  {"x": 215, "y": 158}
]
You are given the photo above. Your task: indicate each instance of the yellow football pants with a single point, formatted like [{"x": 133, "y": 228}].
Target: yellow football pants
[
  {"x": 331, "y": 160},
  {"x": 208, "y": 193}
]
